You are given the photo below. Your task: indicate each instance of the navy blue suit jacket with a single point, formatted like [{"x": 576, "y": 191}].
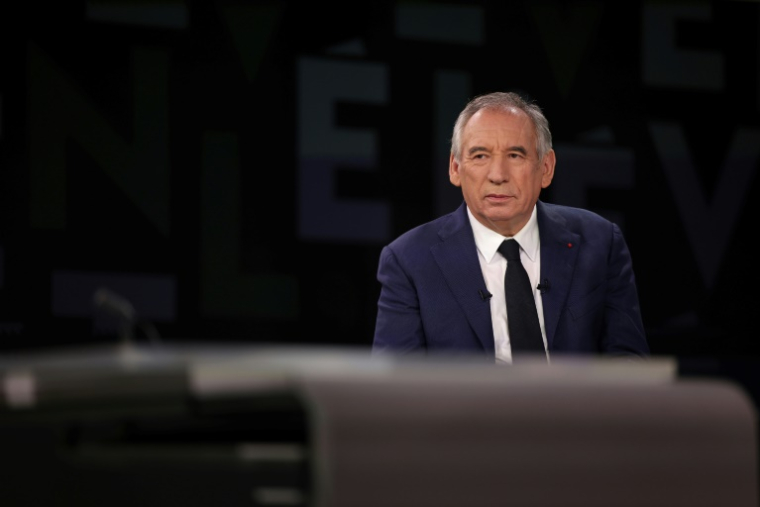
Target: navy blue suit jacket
[{"x": 431, "y": 281}]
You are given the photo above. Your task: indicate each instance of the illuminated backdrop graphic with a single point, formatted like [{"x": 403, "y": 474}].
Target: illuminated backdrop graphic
[{"x": 234, "y": 168}]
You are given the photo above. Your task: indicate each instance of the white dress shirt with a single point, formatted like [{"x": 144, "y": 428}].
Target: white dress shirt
[{"x": 494, "y": 267}]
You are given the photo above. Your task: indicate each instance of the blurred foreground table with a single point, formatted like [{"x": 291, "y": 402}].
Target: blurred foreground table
[{"x": 333, "y": 427}]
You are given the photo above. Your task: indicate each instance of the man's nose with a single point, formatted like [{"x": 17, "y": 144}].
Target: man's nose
[{"x": 498, "y": 171}]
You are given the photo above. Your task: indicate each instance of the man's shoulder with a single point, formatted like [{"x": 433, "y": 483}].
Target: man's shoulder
[
  {"x": 573, "y": 216},
  {"x": 428, "y": 233}
]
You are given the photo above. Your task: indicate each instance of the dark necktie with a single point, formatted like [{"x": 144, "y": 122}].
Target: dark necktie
[{"x": 522, "y": 316}]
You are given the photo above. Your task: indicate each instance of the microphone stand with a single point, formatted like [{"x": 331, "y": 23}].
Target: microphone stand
[{"x": 122, "y": 308}]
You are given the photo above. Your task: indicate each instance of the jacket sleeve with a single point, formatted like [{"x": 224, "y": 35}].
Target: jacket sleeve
[
  {"x": 623, "y": 327},
  {"x": 398, "y": 328}
]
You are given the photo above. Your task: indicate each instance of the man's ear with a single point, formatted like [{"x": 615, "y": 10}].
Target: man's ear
[
  {"x": 454, "y": 177},
  {"x": 547, "y": 168}
]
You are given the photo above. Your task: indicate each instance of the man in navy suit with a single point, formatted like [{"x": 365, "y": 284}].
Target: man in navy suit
[{"x": 442, "y": 283}]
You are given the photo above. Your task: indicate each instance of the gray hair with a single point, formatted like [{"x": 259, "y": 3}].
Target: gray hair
[{"x": 504, "y": 101}]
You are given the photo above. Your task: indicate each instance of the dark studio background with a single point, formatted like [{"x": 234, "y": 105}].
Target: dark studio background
[{"x": 234, "y": 168}]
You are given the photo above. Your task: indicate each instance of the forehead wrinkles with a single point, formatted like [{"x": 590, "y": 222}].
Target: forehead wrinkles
[
  {"x": 499, "y": 133},
  {"x": 494, "y": 128}
]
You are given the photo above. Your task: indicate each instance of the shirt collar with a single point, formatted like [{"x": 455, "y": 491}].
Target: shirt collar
[{"x": 488, "y": 241}]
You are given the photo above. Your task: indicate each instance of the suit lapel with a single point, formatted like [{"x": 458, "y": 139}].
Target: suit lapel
[
  {"x": 457, "y": 256},
  {"x": 559, "y": 252}
]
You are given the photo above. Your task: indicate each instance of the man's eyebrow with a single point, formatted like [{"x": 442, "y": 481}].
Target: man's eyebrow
[
  {"x": 476, "y": 149},
  {"x": 517, "y": 148}
]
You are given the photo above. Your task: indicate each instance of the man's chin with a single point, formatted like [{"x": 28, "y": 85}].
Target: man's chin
[{"x": 499, "y": 218}]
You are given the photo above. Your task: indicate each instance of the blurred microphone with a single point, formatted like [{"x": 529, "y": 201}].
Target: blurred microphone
[
  {"x": 113, "y": 303},
  {"x": 120, "y": 307}
]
